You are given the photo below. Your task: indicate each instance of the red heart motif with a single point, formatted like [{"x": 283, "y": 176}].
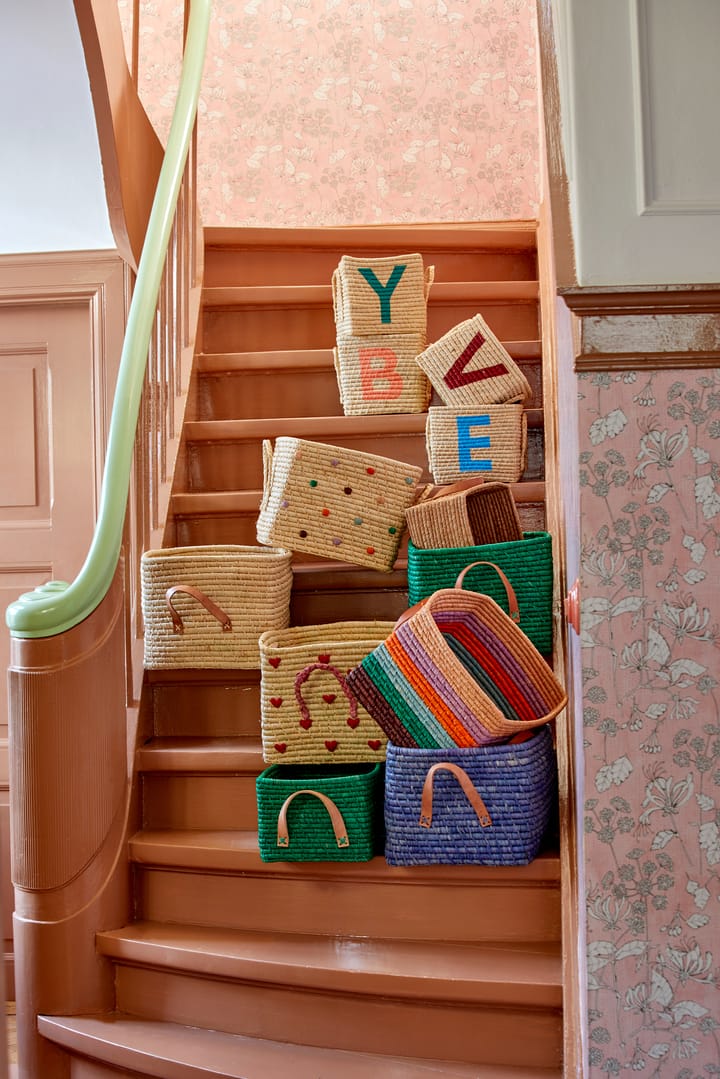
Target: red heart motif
[
  {"x": 374, "y": 743},
  {"x": 306, "y": 724},
  {"x": 331, "y": 745},
  {"x": 275, "y": 661},
  {"x": 281, "y": 747},
  {"x": 324, "y": 658},
  {"x": 353, "y": 721},
  {"x": 276, "y": 701},
  {"x": 328, "y": 698}
]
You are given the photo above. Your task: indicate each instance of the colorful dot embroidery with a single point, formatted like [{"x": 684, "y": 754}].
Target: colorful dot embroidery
[
  {"x": 284, "y": 503},
  {"x": 313, "y": 483},
  {"x": 358, "y": 521},
  {"x": 392, "y": 531},
  {"x": 370, "y": 550},
  {"x": 370, "y": 471},
  {"x": 326, "y": 512},
  {"x": 302, "y": 533},
  {"x": 336, "y": 541},
  {"x": 347, "y": 490},
  {"x": 409, "y": 481}
]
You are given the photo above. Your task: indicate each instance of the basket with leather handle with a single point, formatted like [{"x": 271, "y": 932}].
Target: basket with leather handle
[
  {"x": 464, "y": 514},
  {"x": 320, "y": 813},
  {"x": 207, "y": 606},
  {"x": 490, "y": 805},
  {"x": 457, "y": 670}
]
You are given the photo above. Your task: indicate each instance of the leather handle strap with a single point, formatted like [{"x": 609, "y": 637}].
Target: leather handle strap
[
  {"x": 336, "y": 819},
  {"x": 513, "y": 609},
  {"x": 426, "y": 805},
  {"x": 302, "y": 678},
  {"x": 217, "y": 612},
  {"x": 432, "y": 491}
]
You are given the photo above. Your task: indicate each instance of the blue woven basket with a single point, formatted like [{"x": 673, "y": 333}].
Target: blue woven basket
[
  {"x": 498, "y": 817},
  {"x": 527, "y": 563}
]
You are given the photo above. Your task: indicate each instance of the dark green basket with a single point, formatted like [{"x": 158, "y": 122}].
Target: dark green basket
[
  {"x": 356, "y": 790},
  {"x": 526, "y": 562}
]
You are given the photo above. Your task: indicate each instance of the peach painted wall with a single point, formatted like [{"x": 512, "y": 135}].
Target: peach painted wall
[
  {"x": 650, "y": 498},
  {"x": 330, "y": 112}
]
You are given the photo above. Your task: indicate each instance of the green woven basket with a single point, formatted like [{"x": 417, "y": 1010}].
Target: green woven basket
[
  {"x": 526, "y": 562},
  {"x": 320, "y": 813}
]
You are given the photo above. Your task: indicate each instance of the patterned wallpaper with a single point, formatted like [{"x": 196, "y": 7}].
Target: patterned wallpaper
[
  {"x": 650, "y": 489},
  {"x": 329, "y": 112}
]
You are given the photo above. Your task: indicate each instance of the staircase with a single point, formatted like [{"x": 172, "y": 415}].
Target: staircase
[{"x": 238, "y": 968}]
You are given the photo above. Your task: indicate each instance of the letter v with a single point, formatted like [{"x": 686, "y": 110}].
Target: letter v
[
  {"x": 384, "y": 291},
  {"x": 457, "y": 375}
]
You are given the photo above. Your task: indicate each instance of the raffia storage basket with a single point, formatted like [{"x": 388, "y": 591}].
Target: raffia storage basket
[
  {"x": 489, "y": 805},
  {"x": 337, "y": 503},
  {"x": 469, "y": 366},
  {"x": 378, "y": 374},
  {"x": 487, "y": 443},
  {"x": 463, "y": 515},
  {"x": 208, "y": 606},
  {"x": 385, "y": 295},
  {"x": 320, "y": 813},
  {"x": 308, "y": 713}
]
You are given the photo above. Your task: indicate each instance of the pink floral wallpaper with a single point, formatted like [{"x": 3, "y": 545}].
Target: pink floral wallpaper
[
  {"x": 328, "y": 112},
  {"x": 650, "y": 490}
]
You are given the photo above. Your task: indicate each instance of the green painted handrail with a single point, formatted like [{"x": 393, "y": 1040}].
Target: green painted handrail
[{"x": 58, "y": 606}]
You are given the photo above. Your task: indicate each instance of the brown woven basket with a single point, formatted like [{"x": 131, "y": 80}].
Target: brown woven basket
[
  {"x": 378, "y": 375},
  {"x": 208, "y": 606},
  {"x": 487, "y": 443},
  {"x": 381, "y": 295},
  {"x": 464, "y": 514},
  {"x": 469, "y": 366},
  {"x": 337, "y": 503}
]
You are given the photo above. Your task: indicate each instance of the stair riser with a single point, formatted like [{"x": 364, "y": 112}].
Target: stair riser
[
  {"x": 261, "y": 328},
  {"x": 230, "y": 465},
  {"x": 373, "y": 909},
  {"x": 90, "y": 1069},
  {"x": 284, "y": 267},
  {"x": 472, "y": 1034},
  {"x": 199, "y": 801},
  {"x": 207, "y": 711}
]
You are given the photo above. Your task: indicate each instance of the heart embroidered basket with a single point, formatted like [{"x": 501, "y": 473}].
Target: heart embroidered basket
[
  {"x": 457, "y": 671},
  {"x": 487, "y": 442},
  {"x": 469, "y": 366},
  {"x": 386, "y": 295},
  {"x": 378, "y": 375},
  {"x": 319, "y": 813},
  {"x": 486, "y": 806},
  {"x": 463, "y": 515},
  {"x": 338, "y": 503},
  {"x": 207, "y": 606},
  {"x": 527, "y": 563},
  {"x": 308, "y": 712}
]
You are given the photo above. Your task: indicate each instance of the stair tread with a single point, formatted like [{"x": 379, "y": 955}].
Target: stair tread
[
  {"x": 189, "y": 754},
  {"x": 476, "y": 235},
  {"x": 527, "y": 974},
  {"x": 304, "y": 359},
  {"x": 480, "y": 292},
  {"x": 238, "y": 850},
  {"x": 173, "y": 1051}
]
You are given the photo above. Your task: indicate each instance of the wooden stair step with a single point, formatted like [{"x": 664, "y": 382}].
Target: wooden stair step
[
  {"x": 174, "y": 1051},
  {"x": 200, "y": 754},
  {"x": 320, "y": 295},
  {"x": 193, "y": 702}
]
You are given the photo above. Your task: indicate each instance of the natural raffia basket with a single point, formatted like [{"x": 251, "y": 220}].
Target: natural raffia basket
[
  {"x": 207, "y": 606},
  {"x": 320, "y": 813},
  {"x": 381, "y": 295},
  {"x": 378, "y": 375},
  {"x": 487, "y": 443},
  {"x": 469, "y": 367},
  {"x": 338, "y": 503},
  {"x": 489, "y": 805},
  {"x": 308, "y": 713},
  {"x": 464, "y": 514}
]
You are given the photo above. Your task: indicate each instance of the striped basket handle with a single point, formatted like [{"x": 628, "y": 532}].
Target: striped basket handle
[
  {"x": 217, "y": 612},
  {"x": 336, "y": 819},
  {"x": 429, "y": 278},
  {"x": 302, "y": 678},
  {"x": 513, "y": 609},
  {"x": 469, "y": 790}
]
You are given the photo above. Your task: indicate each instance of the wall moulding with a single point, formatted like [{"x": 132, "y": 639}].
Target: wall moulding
[{"x": 622, "y": 329}]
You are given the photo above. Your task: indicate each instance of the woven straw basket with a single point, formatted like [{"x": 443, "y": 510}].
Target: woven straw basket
[
  {"x": 338, "y": 503},
  {"x": 527, "y": 563},
  {"x": 486, "y": 444},
  {"x": 378, "y": 375},
  {"x": 457, "y": 671},
  {"x": 463, "y": 515},
  {"x": 381, "y": 295},
  {"x": 308, "y": 713},
  {"x": 315, "y": 813},
  {"x": 468, "y": 367},
  {"x": 485, "y": 806},
  {"x": 207, "y": 606}
]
